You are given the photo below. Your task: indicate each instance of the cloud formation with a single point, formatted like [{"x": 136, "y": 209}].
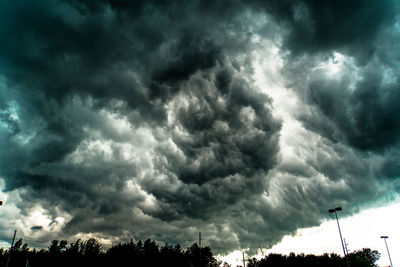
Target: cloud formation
[{"x": 146, "y": 119}]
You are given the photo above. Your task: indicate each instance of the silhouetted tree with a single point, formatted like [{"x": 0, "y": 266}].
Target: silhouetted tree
[
  {"x": 57, "y": 247},
  {"x": 364, "y": 257},
  {"x": 73, "y": 249},
  {"x": 200, "y": 256},
  {"x": 172, "y": 256},
  {"x": 253, "y": 262},
  {"x": 90, "y": 248},
  {"x": 273, "y": 259}
]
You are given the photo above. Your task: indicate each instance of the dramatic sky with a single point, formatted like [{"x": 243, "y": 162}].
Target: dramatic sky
[{"x": 243, "y": 120}]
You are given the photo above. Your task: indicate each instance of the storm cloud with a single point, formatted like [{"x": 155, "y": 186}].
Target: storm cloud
[{"x": 147, "y": 119}]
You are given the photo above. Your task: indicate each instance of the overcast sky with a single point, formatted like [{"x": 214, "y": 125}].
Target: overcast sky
[{"x": 242, "y": 120}]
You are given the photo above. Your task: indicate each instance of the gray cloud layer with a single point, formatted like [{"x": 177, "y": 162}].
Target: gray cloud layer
[{"x": 141, "y": 118}]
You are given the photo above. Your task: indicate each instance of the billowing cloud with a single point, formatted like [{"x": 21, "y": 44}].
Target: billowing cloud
[{"x": 161, "y": 119}]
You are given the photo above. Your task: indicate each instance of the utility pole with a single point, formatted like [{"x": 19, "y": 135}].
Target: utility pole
[
  {"x": 12, "y": 244},
  {"x": 384, "y": 238},
  {"x": 340, "y": 232},
  {"x": 199, "y": 249},
  {"x": 244, "y": 263},
  {"x": 345, "y": 246},
  {"x": 200, "y": 239}
]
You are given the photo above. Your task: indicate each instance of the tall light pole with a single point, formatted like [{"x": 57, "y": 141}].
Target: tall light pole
[
  {"x": 384, "y": 238},
  {"x": 340, "y": 233}
]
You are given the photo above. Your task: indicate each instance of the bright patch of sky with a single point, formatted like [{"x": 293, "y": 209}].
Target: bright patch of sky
[{"x": 359, "y": 231}]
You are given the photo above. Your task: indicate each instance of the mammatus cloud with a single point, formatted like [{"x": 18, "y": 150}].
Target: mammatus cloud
[{"x": 124, "y": 119}]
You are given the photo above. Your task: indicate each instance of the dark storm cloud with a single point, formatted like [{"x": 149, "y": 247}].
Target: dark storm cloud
[
  {"x": 61, "y": 52},
  {"x": 353, "y": 106},
  {"x": 364, "y": 116},
  {"x": 141, "y": 117},
  {"x": 357, "y": 104},
  {"x": 72, "y": 71},
  {"x": 236, "y": 130},
  {"x": 322, "y": 26},
  {"x": 225, "y": 141},
  {"x": 190, "y": 54}
]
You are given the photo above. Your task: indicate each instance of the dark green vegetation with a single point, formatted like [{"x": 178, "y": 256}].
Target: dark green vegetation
[
  {"x": 91, "y": 253},
  {"x": 360, "y": 258}
]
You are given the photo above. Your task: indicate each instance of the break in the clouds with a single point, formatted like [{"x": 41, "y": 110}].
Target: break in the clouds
[{"x": 162, "y": 119}]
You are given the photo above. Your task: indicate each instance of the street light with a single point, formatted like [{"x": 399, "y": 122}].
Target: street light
[
  {"x": 384, "y": 238},
  {"x": 340, "y": 233}
]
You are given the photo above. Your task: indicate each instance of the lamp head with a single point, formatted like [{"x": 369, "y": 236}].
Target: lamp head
[
  {"x": 332, "y": 210},
  {"x": 384, "y": 236}
]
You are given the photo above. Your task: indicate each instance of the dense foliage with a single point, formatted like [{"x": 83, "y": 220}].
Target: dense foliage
[
  {"x": 90, "y": 253},
  {"x": 360, "y": 258},
  {"x": 149, "y": 253}
]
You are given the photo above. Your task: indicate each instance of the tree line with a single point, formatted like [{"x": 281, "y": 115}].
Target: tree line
[
  {"x": 90, "y": 253},
  {"x": 149, "y": 253},
  {"x": 360, "y": 258}
]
